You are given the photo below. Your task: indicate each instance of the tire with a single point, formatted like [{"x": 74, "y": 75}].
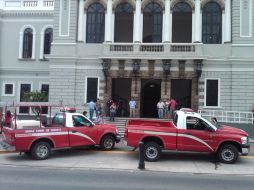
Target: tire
[
  {"x": 228, "y": 154},
  {"x": 41, "y": 151},
  {"x": 152, "y": 151},
  {"x": 107, "y": 142}
]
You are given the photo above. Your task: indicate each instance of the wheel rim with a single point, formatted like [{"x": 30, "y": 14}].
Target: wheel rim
[
  {"x": 227, "y": 155},
  {"x": 108, "y": 143},
  {"x": 42, "y": 151},
  {"x": 151, "y": 152}
]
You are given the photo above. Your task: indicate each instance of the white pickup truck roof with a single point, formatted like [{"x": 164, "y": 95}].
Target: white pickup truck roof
[{"x": 181, "y": 119}]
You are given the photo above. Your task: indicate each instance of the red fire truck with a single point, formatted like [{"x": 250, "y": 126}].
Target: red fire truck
[{"x": 66, "y": 129}]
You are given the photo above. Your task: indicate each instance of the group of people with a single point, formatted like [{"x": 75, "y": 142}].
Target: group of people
[{"x": 166, "y": 109}]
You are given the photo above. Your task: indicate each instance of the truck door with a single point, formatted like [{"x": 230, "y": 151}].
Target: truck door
[
  {"x": 83, "y": 133},
  {"x": 197, "y": 136}
]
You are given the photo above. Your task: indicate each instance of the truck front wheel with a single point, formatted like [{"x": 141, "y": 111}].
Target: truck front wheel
[
  {"x": 228, "y": 154},
  {"x": 152, "y": 151},
  {"x": 108, "y": 142},
  {"x": 41, "y": 150}
]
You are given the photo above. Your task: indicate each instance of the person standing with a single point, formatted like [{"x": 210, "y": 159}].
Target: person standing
[
  {"x": 91, "y": 106},
  {"x": 172, "y": 106},
  {"x": 160, "y": 107},
  {"x": 112, "y": 110},
  {"x": 132, "y": 105}
]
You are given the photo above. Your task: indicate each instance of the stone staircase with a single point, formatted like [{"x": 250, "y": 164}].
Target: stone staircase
[{"x": 119, "y": 122}]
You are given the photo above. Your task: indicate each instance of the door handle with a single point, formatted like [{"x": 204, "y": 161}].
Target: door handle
[
  {"x": 74, "y": 131},
  {"x": 187, "y": 133}
]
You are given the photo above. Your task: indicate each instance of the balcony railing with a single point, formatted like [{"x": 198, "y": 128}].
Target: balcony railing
[
  {"x": 192, "y": 51},
  {"x": 28, "y": 5},
  {"x": 228, "y": 116}
]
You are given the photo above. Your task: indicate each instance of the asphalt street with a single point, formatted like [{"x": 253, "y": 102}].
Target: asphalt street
[{"x": 36, "y": 178}]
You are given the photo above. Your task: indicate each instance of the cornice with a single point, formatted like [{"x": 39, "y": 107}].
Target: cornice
[{"x": 5, "y": 14}]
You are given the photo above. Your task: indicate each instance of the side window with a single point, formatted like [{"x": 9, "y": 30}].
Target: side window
[
  {"x": 80, "y": 121},
  {"x": 194, "y": 123},
  {"x": 58, "y": 119}
]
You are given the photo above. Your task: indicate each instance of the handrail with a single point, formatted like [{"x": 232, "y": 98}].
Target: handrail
[{"x": 228, "y": 116}]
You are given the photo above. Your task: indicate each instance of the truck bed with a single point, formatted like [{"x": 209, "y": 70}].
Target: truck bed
[{"x": 150, "y": 123}]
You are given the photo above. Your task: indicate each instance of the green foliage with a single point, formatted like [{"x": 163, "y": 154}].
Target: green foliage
[{"x": 34, "y": 97}]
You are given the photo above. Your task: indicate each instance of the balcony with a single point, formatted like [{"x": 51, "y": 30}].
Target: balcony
[
  {"x": 153, "y": 50},
  {"x": 27, "y": 5}
]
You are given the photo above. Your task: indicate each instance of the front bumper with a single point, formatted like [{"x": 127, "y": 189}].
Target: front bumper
[
  {"x": 118, "y": 138},
  {"x": 245, "y": 149}
]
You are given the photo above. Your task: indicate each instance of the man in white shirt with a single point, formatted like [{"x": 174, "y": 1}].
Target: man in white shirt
[
  {"x": 160, "y": 107},
  {"x": 132, "y": 105}
]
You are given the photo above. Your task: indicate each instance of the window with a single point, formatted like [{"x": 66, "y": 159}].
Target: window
[
  {"x": 23, "y": 89},
  {"x": 95, "y": 23},
  {"x": 182, "y": 23},
  {"x": 211, "y": 23},
  {"x": 80, "y": 121},
  {"x": 152, "y": 23},
  {"x": 124, "y": 23},
  {"x": 27, "y": 43},
  {"x": 8, "y": 89},
  {"x": 48, "y": 38},
  {"x": 92, "y": 89},
  {"x": 194, "y": 123},
  {"x": 45, "y": 89},
  {"x": 58, "y": 119},
  {"x": 212, "y": 92}
]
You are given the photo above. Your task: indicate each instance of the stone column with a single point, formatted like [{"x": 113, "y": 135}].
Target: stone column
[
  {"x": 81, "y": 21},
  {"x": 198, "y": 23},
  {"x": 167, "y": 22},
  {"x": 109, "y": 22},
  {"x": 227, "y": 21},
  {"x": 137, "y": 22}
]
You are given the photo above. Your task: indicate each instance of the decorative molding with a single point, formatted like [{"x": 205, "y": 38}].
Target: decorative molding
[
  {"x": 146, "y": 2},
  {"x": 221, "y": 3},
  {"x": 90, "y": 2},
  {"x": 5, "y": 14},
  {"x": 189, "y": 2},
  {"x": 118, "y": 2}
]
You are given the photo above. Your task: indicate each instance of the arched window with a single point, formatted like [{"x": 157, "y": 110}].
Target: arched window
[
  {"x": 152, "y": 23},
  {"x": 48, "y": 38},
  {"x": 95, "y": 27},
  {"x": 123, "y": 23},
  {"x": 27, "y": 43},
  {"x": 211, "y": 23},
  {"x": 182, "y": 23}
]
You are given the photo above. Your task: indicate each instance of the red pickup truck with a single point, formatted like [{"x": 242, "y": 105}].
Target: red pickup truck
[
  {"x": 66, "y": 129},
  {"x": 188, "y": 132}
]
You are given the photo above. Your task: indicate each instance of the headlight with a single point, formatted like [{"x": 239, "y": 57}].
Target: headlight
[
  {"x": 244, "y": 140},
  {"x": 117, "y": 131}
]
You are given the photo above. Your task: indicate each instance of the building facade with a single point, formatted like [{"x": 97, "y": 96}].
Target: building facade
[{"x": 198, "y": 51}]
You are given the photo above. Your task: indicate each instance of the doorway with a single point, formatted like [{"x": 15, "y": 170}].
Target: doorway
[
  {"x": 150, "y": 96},
  {"x": 121, "y": 94},
  {"x": 181, "y": 92}
]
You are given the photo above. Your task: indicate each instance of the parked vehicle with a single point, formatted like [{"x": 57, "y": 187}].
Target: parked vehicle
[
  {"x": 66, "y": 129},
  {"x": 188, "y": 132}
]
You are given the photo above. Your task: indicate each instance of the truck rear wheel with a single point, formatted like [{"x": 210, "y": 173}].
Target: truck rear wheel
[
  {"x": 228, "y": 154},
  {"x": 108, "y": 142},
  {"x": 152, "y": 151},
  {"x": 41, "y": 150}
]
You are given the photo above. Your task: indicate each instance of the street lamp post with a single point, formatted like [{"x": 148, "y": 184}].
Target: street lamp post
[
  {"x": 105, "y": 68},
  {"x": 166, "y": 70},
  {"x": 136, "y": 68}
]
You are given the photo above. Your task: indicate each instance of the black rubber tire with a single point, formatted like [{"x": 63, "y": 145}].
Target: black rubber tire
[
  {"x": 152, "y": 151},
  {"x": 228, "y": 154},
  {"x": 107, "y": 142},
  {"x": 41, "y": 150}
]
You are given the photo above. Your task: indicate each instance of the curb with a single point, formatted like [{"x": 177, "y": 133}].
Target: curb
[{"x": 7, "y": 151}]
